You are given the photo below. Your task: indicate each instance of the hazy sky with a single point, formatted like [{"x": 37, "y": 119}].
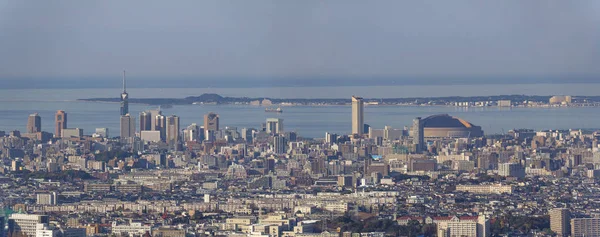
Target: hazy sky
[{"x": 299, "y": 39}]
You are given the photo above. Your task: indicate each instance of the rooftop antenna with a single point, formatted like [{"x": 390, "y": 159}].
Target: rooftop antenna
[{"x": 124, "y": 83}]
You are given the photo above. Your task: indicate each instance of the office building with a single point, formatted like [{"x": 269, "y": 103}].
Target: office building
[
  {"x": 357, "y": 115},
  {"x": 583, "y": 227},
  {"x": 274, "y": 126},
  {"x": 560, "y": 221},
  {"x": 211, "y": 122},
  {"x": 330, "y": 138},
  {"x": 150, "y": 136},
  {"x": 161, "y": 126},
  {"x": 146, "y": 121},
  {"x": 72, "y": 132},
  {"x": 26, "y": 224},
  {"x": 153, "y": 115},
  {"x": 172, "y": 131},
  {"x": 127, "y": 126},
  {"x": 279, "y": 145},
  {"x": 124, "y": 98},
  {"x": 511, "y": 170},
  {"x": 191, "y": 133},
  {"x": 47, "y": 198},
  {"x": 418, "y": 134},
  {"x": 60, "y": 122},
  {"x": 247, "y": 134},
  {"x": 34, "y": 123}
]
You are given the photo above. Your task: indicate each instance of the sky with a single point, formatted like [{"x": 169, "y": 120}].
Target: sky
[{"x": 347, "y": 41}]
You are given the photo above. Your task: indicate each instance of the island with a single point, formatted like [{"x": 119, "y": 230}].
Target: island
[{"x": 470, "y": 101}]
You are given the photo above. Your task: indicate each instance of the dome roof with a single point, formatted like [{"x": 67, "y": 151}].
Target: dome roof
[{"x": 445, "y": 121}]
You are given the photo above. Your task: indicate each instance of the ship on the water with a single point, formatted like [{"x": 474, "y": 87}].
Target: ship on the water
[{"x": 274, "y": 110}]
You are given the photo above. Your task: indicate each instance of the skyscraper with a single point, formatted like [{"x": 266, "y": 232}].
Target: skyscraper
[
  {"x": 418, "y": 135},
  {"x": 161, "y": 125},
  {"x": 279, "y": 144},
  {"x": 124, "y": 98},
  {"x": 127, "y": 126},
  {"x": 61, "y": 122},
  {"x": 172, "y": 131},
  {"x": 191, "y": 133},
  {"x": 145, "y": 121},
  {"x": 34, "y": 123},
  {"x": 560, "y": 221},
  {"x": 211, "y": 122},
  {"x": 274, "y": 126},
  {"x": 357, "y": 115}
]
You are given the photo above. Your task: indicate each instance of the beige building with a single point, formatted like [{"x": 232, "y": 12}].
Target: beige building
[
  {"x": 559, "y": 221},
  {"x": 485, "y": 189},
  {"x": 60, "y": 122},
  {"x": 468, "y": 226},
  {"x": 211, "y": 122},
  {"x": 582, "y": 227},
  {"x": 357, "y": 115}
]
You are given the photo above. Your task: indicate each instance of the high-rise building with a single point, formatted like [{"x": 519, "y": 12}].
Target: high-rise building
[
  {"x": 247, "y": 134},
  {"x": 418, "y": 134},
  {"x": 153, "y": 115},
  {"x": 330, "y": 138},
  {"x": 274, "y": 126},
  {"x": 191, "y": 133},
  {"x": 582, "y": 227},
  {"x": 211, "y": 122},
  {"x": 279, "y": 144},
  {"x": 124, "y": 98},
  {"x": 560, "y": 221},
  {"x": 511, "y": 170},
  {"x": 127, "y": 126},
  {"x": 60, "y": 122},
  {"x": 34, "y": 123},
  {"x": 172, "y": 131},
  {"x": 161, "y": 126},
  {"x": 47, "y": 198},
  {"x": 146, "y": 121},
  {"x": 357, "y": 115},
  {"x": 25, "y": 224}
]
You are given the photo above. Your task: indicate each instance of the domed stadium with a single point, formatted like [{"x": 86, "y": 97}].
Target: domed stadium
[{"x": 444, "y": 125}]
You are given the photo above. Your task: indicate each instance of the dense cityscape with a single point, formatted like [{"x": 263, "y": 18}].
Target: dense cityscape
[{"x": 440, "y": 176}]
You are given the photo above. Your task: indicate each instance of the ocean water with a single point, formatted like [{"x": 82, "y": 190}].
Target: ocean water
[{"x": 308, "y": 121}]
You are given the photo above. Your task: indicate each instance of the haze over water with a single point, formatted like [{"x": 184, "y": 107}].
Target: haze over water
[{"x": 308, "y": 121}]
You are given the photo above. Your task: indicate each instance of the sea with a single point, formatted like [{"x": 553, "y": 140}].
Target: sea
[{"x": 307, "y": 121}]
